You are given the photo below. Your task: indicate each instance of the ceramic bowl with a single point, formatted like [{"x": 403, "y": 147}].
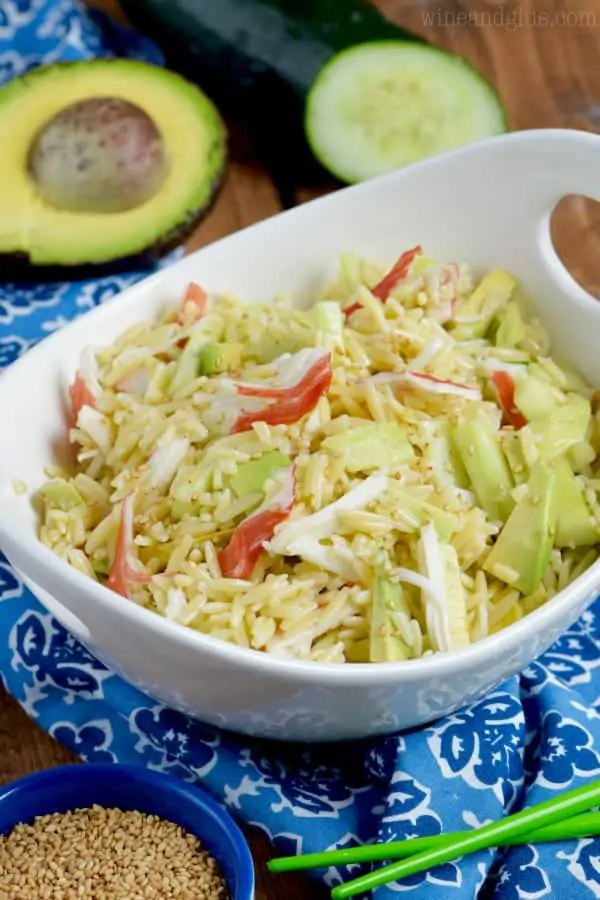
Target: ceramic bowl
[
  {"x": 489, "y": 204},
  {"x": 73, "y": 787}
]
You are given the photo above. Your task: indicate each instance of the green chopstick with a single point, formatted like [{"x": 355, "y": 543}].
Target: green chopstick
[
  {"x": 584, "y": 825},
  {"x": 496, "y": 834}
]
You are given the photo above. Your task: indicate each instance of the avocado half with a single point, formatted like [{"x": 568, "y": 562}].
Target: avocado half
[{"x": 38, "y": 239}]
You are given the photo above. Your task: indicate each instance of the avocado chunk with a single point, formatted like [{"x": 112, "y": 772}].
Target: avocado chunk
[
  {"x": 214, "y": 359},
  {"x": 534, "y": 397},
  {"x": 511, "y": 330},
  {"x": 251, "y": 476},
  {"x": 539, "y": 372},
  {"x": 270, "y": 347},
  {"x": 371, "y": 446},
  {"x": 441, "y": 455},
  {"x": 513, "y": 451},
  {"x": 195, "y": 357},
  {"x": 101, "y": 565},
  {"x": 330, "y": 325},
  {"x": 445, "y": 523},
  {"x": 481, "y": 454},
  {"x": 60, "y": 494},
  {"x": 553, "y": 435},
  {"x": 422, "y": 264},
  {"x": 522, "y": 551},
  {"x": 188, "y": 364},
  {"x": 573, "y": 380},
  {"x": 580, "y": 456},
  {"x": 358, "y": 651},
  {"x": 478, "y": 310},
  {"x": 575, "y": 526},
  {"x": 563, "y": 377},
  {"x": 349, "y": 273},
  {"x": 111, "y": 162},
  {"x": 386, "y": 644},
  {"x": 188, "y": 483}
]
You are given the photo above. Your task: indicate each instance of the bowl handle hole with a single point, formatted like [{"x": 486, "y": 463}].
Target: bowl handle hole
[{"x": 575, "y": 233}]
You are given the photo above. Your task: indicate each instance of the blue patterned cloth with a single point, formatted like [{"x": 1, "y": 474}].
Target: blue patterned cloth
[{"x": 535, "y": 735}]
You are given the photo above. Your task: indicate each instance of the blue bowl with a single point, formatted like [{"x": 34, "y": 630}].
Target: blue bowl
[{"x": 134, "y": 788}]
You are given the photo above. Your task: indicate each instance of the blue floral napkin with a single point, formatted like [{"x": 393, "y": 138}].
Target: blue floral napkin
[{"x": 534, "y": 736}]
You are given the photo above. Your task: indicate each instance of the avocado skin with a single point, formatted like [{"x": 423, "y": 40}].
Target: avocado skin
[{"x": 17, "y": 268}]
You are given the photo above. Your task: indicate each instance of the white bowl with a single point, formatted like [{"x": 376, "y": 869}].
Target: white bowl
[{"x": 489, "y": 204}]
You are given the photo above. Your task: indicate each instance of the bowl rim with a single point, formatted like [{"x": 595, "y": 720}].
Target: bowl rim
[
  {"x": 157, "y": 781},
  {"x": 304, "y": 671}
]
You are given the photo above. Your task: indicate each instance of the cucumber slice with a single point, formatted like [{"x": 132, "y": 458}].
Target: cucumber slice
[{"x": 382, "y": 105}]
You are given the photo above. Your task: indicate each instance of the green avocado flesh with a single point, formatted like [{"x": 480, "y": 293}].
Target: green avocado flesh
[
  {"x": 107, "y": 160},
  {"x": 521, "y": 554},
  {"x": 363, "y": 448},
  {"x": 251, "y": 476},
  {"x": 386, "y": 644},
  {"x": 480, "y": 452}
]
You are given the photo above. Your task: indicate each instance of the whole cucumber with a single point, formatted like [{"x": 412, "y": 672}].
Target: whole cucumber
[{"x": 259, "y": 58}]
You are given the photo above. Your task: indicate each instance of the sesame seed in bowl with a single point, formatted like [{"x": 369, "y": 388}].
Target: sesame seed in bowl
[
  {"x": 96, "y": 832},
  {"x": 107, "y": 853}
]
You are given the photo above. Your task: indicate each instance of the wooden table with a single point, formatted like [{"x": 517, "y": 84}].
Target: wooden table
[{"x": 543, "y": 57}]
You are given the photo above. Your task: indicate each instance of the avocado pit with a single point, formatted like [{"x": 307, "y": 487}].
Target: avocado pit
[{"x": 100, "y": 155}]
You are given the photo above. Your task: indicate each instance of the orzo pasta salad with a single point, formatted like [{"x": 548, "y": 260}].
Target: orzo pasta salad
[{"x": 400, "y": 469}]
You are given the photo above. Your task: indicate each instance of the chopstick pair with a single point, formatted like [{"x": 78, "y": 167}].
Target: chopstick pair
[{"x": 557, "y": 819}]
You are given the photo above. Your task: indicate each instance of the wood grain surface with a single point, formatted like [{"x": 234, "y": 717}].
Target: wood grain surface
[{"x": 542, "y": 56}]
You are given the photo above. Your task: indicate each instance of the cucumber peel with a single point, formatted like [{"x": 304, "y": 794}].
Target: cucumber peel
[
  {"x": 522, "y": 551},
  {"x": 257, "y": 59},
  {"x": 362, "y": 449},
  {"x": 479, "y": 448},
  {"x": 381, "y": 105},
  {"x": 386, "y": 644},
  {"x": 61, "y": 494}
]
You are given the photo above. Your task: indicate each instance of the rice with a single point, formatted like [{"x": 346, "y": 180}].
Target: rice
[{"x": 172, "y": 438}]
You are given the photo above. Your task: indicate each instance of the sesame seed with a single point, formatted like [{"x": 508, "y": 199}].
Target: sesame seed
[{"x": 106, "y": 854}]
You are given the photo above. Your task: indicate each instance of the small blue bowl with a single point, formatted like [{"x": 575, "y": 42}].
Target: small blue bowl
[{"x": 134, "y": 788}]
